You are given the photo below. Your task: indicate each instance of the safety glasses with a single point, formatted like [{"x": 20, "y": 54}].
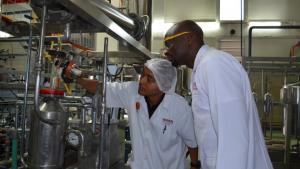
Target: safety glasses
[{"x": 168, "y": 38}]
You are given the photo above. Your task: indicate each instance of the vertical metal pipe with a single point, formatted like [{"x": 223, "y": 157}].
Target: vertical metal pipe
[
  {"x": 83, "y": 114},
  {"x": 298, "y": 117},
  {"x": 0, "y": 12},
  {"x": 28, "y": 64},
  {"x": 288, "y": 112},
  {"x": 262, "y": 86},
  {"x": 103, "y": 106},
  {"x": 16, "y": 117},
  {"x": 14, "y": 150},
  {"x": 38, "y": 65},
  {"x": 241, "y": 23},
  {"x": 23, "y": 123},
  {"x": 67, "y": 32},
  {"x": 94, "y": 121},
  {"x": 288, "y": 101}
]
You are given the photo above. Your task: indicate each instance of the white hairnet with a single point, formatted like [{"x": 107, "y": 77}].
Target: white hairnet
[{"x": 164, "y": 73}]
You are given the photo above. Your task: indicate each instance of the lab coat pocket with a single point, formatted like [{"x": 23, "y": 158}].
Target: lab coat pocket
[{"x": 167, "y": 137}]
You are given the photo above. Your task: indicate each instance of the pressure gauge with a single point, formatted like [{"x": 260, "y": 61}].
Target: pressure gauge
[{"x": 73, "y": 138}]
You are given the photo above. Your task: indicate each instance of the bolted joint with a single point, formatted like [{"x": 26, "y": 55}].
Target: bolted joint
[{"x": 38, "y": 66}]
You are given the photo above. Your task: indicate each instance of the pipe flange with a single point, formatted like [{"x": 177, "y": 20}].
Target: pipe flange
[{"x": 140, "y": 26}]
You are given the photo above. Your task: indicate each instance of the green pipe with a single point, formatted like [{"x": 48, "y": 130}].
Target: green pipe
[{"x": 14, "y": 154}]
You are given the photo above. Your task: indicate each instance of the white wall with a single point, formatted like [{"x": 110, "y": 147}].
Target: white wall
[{"x": 284, "y": 10}]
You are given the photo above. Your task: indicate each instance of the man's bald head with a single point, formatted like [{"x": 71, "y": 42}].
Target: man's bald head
[
  {"x": 183, "y": 40},
  {"x": 186, "y": 26}
]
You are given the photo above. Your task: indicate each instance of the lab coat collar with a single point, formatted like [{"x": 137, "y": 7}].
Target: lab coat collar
[
  {"x": 199, "y": 55},
  {"x": 165, "y": 103},
  {"x": 163, "y": 106}
]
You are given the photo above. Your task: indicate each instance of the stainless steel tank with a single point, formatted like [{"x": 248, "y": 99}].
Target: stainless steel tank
[{"x": 48, "y": 126}]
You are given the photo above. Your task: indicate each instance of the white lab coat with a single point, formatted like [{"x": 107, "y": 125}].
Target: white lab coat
[
  {"x": 159, "y": 142},
  {"x": 226, "y": 121}
]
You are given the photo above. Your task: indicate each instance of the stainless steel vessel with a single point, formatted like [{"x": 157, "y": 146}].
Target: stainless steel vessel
[{"x": 48, "y": 126}]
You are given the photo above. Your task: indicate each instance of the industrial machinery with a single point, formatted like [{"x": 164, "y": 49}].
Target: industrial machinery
[
  {"x": 290, "y": 95},
  {"x": 48, "y": 126}
]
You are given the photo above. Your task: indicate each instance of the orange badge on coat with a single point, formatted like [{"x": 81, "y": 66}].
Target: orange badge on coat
[{"x": 137, "y": 105}]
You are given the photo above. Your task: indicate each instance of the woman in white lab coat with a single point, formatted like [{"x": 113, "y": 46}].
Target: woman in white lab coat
[
  {"x": 226, "y": 121},
  {"x": 161, "y": 122}
]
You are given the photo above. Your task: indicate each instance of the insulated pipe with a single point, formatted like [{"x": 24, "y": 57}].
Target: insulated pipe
[
  {"x": 114, "y": 14},
  {"x": 103, "y": 106}
]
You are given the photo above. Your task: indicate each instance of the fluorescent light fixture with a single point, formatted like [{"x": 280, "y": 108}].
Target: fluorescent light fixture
[
  {"x": 265, "y": 23},
  {"x": 5, "y": 35},
  {"x": 231, "y": 10}
]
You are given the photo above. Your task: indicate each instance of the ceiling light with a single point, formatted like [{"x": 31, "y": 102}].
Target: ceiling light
[
  {"x": 5, "y": 35},
  {"x": 231, "y": 10}
]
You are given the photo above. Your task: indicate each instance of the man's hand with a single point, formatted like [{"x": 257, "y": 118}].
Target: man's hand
[
  {"x": 195, "y": 164},
  {"x": 194, "y": 168}
]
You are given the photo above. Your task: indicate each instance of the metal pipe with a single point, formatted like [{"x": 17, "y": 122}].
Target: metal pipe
[
  {"x": 94, "y": 121},
  {"x": 114, "y": 14},
  {"x": 25, "y": 39},
  {"x": 67, "y": 31},
  {"x": 288, "y": 113},
  {"x": 103, "y": 106},
  {"x": 293, "y": 84},
  {"x": 262, "y": 86},
  {"x": 241, "y": 29},
  {"x": 1, "y": 12},
  {"x": 14, "y": 150},
  {"x": 38, "y": 65},
  {"x": 266, "y": 27},
  {"x": 13, "y": 55},
  {"x": 21, "y": 39},
  {"x": 71, "y": 105},
  {"x": 28, "y": 64},
  {"x": 72, "y": 98},
  {"x": 270, "y": 58},
  {"x": 83, "y": 114}
]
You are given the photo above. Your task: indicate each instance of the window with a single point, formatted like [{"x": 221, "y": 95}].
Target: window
[{"x": 231, "y": 10}]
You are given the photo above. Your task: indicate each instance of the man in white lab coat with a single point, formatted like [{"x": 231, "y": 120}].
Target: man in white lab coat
[
  {"x": 226, "y": 121},
  {"x": 160, "y": 121}
]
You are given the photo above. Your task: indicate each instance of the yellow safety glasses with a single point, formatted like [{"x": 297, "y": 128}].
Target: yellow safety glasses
[
  {"x": 165, "y": 49},
  {"x": 175, "y": 36}
]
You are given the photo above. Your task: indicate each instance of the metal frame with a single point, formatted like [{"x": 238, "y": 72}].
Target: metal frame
[{"x": 88, "y": 11}]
